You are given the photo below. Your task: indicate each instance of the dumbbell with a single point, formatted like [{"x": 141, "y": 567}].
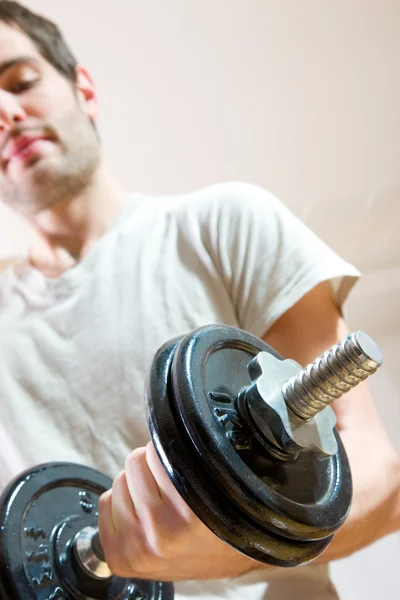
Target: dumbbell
[
  {"x": 247, "y": 438},
  {"x": 50, "y": 548}
]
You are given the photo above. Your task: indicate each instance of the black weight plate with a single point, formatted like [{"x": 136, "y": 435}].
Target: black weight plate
[
  {"x": 40, "y": 513},
  {"x": 282, "y": 513}
]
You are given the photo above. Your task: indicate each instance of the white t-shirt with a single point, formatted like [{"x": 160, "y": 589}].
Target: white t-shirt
[{"x": 74, "y": 351}]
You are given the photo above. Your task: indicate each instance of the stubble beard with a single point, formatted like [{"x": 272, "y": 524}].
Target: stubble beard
[{"x": 60, "y": 176}]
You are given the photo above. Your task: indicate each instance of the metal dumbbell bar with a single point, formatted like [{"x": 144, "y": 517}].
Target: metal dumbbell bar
[{"x": 247, "y": 438}]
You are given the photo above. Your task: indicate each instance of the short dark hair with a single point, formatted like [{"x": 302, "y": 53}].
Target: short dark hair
[{"x": 45, "y": 34}]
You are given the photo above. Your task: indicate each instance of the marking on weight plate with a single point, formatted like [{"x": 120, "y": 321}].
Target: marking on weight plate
[
  {"x": 134, "y": 593},
  {"x": 45, "y": 578},
  {"x": 39, "y": 556},
  {"x": 236, "y": 436},
  {"x": 86, "y": 501},
  {"x": 58, "y": 594},
  {"x": 239, "y": 440},
  {"x": 35, "y": 533},
  {"x": 220, "y": 397},
  {"x": 227, "y": 415}
]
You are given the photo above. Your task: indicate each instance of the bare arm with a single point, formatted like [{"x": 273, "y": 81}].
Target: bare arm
[
  {"x": 303, "y": 333},
  {"x": 147, "y": 529}
]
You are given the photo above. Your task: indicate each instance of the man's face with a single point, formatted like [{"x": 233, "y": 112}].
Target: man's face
[{"x": 49, "y": 149}]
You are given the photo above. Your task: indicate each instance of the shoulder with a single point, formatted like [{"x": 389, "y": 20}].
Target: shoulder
[
  {"x": 227, "y": 194},
  {"x": 217, "y": 214},
  {"x": 229, "y": 199}
]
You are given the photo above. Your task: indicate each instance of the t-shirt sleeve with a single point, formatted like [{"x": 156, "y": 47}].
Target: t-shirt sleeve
[{"x": 268, "y": 259}]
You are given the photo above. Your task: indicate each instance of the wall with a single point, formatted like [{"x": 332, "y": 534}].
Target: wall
[{"x": 299, "y": 96}]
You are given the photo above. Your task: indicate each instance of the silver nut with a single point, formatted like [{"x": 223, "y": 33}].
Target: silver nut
[
  {"x": 86, "y": 557},
  {"x": 273, "y": 417}
]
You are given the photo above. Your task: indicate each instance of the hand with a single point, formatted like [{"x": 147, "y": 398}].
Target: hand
[{"x": 149, "y": 532}]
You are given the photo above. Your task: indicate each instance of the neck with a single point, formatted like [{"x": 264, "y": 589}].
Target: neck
[{"x": 68, "y": 229}]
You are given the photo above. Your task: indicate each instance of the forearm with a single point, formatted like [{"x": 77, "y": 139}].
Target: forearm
[
  {"x": 375, "y": 467},
  {"x": 376, "y": 482},
  {"x": 393, "y": 523},
  {"x": 304, "y": 332},
  {"x": 375, "y": 510},
  {"x": 396, "y": 519}
]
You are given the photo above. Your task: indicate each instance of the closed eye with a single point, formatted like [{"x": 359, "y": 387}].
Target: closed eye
[{"x": 22, "y": 86}]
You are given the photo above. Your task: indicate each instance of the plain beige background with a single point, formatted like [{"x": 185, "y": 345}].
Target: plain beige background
[{"x": 299, "y": 96}]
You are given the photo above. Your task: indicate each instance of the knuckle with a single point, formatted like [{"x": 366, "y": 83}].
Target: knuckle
[
  {"x": 125, "y": 555},
  {"x": 166, "y": 542},
  {"x": 118, "y": 567},
  {"x": 161, "y": 547},
  {"x": 119, "y": 479},
  {"x": 104, "y": 500},
  {"x": 134, "y": 459}
]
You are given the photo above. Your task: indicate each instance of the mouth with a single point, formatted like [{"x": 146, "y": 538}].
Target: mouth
[{"x": 25, "y": 148}]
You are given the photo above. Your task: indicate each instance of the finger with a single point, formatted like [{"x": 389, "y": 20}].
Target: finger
[
  {"x": 123, "y": 511},
  {"x": 105, "y": 520},
  {"x": 116, "y": 511},
  {"x": 119, "y": 532},
  {"x": 165, "y": 486},
  {"x": 142, "y": 485}
]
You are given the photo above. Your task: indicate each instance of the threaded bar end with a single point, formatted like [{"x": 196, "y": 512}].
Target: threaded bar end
[{"x": 333, "y": 374}]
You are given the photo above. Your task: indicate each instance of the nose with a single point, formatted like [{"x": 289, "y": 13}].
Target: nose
[{"x": 11, "y": 112}]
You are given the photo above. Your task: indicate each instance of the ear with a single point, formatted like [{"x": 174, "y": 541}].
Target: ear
[{"x": 86, "y": 93}]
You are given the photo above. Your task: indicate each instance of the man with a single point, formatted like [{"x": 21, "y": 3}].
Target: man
[{"x": 116, "y": 275}]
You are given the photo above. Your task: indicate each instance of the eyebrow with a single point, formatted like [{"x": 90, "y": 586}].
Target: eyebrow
[{"x": 21, "y": 60}]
